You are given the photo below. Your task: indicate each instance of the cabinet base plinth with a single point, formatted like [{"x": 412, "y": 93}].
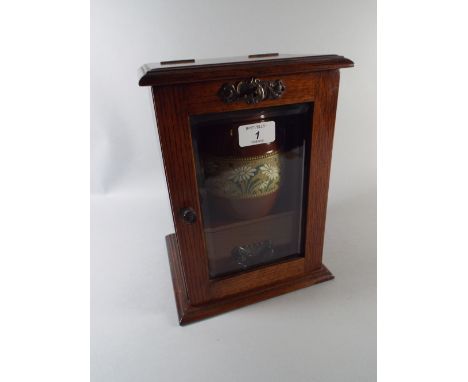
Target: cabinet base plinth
[{"x": 189, "y": 313}]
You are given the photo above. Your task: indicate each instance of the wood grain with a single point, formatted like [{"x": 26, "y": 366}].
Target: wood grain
[
  {"x": 323, "y": 125},
  {"x": 190, "y": 313},
  {"x": 182, "y": 92},
  {"x": 203, "y": 98},
  {"x": 238, "y": 67},
  {"x": 179, "y": 165}
]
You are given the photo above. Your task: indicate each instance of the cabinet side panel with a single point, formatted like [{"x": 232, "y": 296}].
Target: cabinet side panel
[{"x": 323, "y": 125}]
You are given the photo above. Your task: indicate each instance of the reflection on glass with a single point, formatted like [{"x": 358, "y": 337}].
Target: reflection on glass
[{"x": 251, "y": 169}]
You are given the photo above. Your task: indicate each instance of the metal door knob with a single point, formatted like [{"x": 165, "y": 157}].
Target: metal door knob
[{"x": 189, "y": 215}]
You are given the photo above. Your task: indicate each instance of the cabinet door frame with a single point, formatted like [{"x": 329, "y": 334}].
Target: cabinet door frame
[{"x": 174, "y": 105}]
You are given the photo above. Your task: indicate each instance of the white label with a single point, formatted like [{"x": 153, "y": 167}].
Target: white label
[{"x": 256, "y": 133}]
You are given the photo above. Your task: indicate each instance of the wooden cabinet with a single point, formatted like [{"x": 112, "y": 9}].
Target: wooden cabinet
[{"x": 247, "y": 145}]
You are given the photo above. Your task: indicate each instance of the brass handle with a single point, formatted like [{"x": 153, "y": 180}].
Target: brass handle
[{"x": 251, "y": 91}]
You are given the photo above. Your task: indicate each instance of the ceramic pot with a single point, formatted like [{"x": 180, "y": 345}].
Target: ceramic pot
[
  {"x": 244, "y": 187},
  {"x": 241, "y": 182}
]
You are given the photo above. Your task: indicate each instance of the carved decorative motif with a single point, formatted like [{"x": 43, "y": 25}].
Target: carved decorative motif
[
  {"x": 251, "y": 91},
  {"x": 253, "y": 254}
]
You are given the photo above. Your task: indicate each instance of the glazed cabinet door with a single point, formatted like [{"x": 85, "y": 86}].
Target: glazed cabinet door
[
  {"x": 247, "y": 182},
  {"x": 252, "y": 177}
]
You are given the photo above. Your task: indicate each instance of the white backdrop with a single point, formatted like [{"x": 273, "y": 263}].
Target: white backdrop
[
  {"x": 324, "y": 333},
  {"x": 129, "y": 33}
]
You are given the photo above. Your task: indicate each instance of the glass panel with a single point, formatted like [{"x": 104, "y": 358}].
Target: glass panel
[{"x": 252, "y": 175}]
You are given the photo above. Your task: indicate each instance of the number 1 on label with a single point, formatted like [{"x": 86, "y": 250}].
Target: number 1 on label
[{"x": 258, "y": 133}]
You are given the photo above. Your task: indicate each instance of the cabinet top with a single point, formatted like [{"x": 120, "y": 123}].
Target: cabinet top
[{"x": 186, "y": 71}]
